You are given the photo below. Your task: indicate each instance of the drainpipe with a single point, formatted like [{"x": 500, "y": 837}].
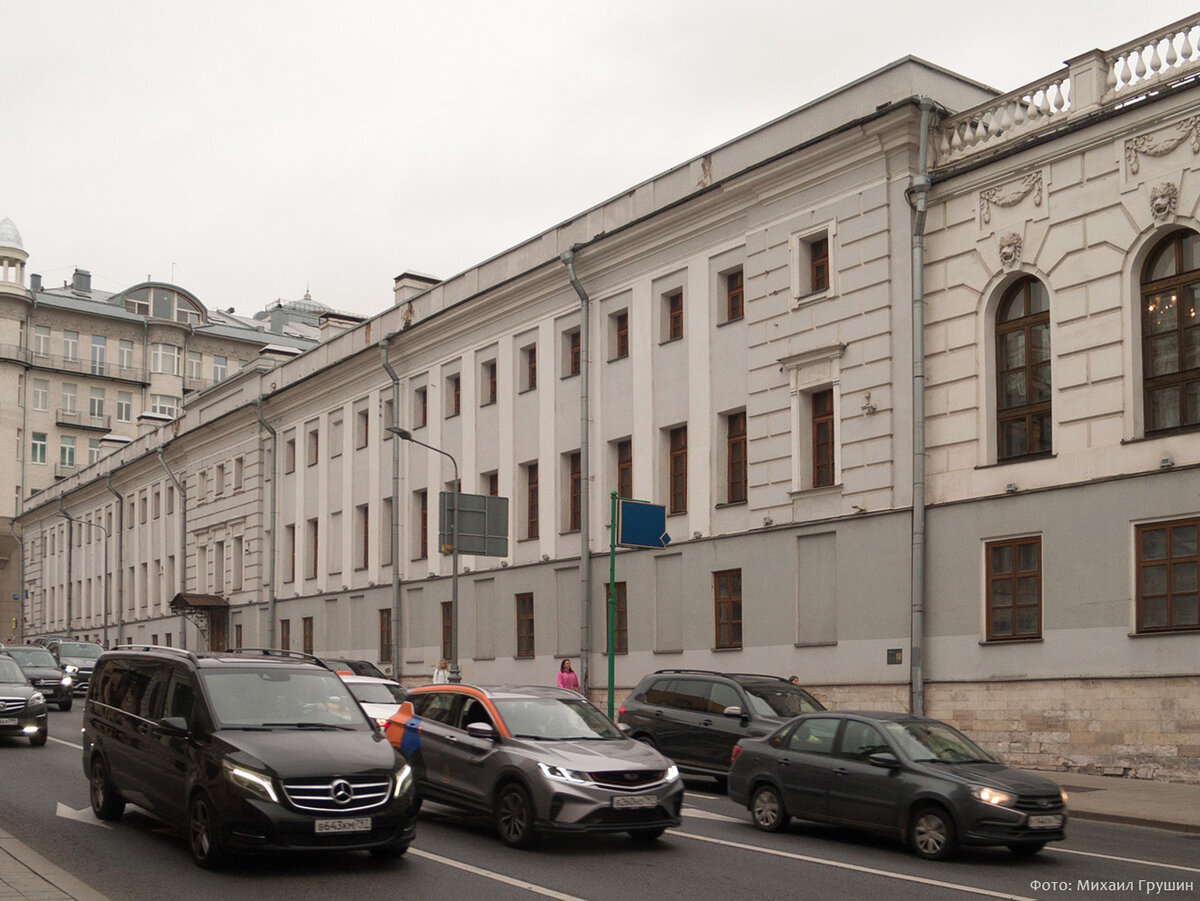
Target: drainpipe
[
  {"x": 920, "y": 187},
  {"x": 20, "y": 540},
  {"x": 396, "y": 644},
  {"x": 120, "y": 558},
  {"x": 585, "y": 493},
  {"x": 268, "y": 568},
  {"x": 182, "y": 540}
]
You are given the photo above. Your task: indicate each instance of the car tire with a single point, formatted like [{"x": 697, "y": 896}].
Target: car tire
[
  {"x": 1027, "y": 849},
  {"x": 646, "y": 836},
  {"x": 514, "y": 816},
  {"x": 646, "y": 740},
  {"x": 204, "y": 834},
  {"x": 64, "y": 705},
  {"x": 107, "y": 803},
  {"x": 767, "y": 810},
  {"x": 932, "y": 833},
  {"x": 38, "y": 739}
]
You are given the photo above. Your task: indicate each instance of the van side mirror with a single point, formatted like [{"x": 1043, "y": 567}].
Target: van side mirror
[
  {"x": 885, "y": 759},
  {"x": 174, "y": 726}
]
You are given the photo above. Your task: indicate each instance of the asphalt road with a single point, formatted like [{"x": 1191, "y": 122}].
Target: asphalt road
[{"x": 716, "y": 854}]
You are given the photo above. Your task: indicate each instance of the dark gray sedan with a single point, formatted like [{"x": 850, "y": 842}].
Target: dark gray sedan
[{"x": 916, "y": 778}]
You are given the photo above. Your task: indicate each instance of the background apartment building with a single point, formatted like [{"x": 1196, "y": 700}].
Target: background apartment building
[{"x": 897, "y": 364}]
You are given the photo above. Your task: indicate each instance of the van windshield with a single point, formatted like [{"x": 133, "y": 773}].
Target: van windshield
[
  {"x": 281, "y": 697},
  {"x": 79, "y": 651}
]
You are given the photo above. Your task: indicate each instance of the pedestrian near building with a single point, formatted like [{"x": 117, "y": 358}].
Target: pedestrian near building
[
  {"x": 566, "y": 677},
  {"x": 441, "y": 672}
]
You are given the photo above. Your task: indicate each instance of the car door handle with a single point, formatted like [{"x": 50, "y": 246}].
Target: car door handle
[
  {"x": 706, "y": 722},
  {"x": 784, "y": 761},
  {"x": 659, "y": 714},
  {"x": 841, "y": 771}
]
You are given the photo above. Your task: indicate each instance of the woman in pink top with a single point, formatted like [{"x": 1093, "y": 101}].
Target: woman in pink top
[{"x": 566, "y": 677}]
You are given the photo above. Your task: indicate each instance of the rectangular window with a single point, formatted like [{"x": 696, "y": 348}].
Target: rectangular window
[
  {"x": 164, "y": 404},
  {"x": 362, "y": 536},
  {"x": 575, "y": 485},
  {"x": 237, "y": 636},
  {"x": 124, "y": 406},
  {"x": 164, "y": 358},
  {"x": 289, "y": 553},
  {"x": 195, "y": 366},
  {"x": 70, "y": 346},
  {"x": 41, "y": 340},
  {"x": 620, "y": 335},
  {"x": 531, "y": 500},
  {"x": 385, "y": 635},
  {"x": 41, "y": 394},
  {"x": 125, "y": 354},
  {"x": 218, "y": 566},
  {"x": 307, "y": 625},
  {"x": 819, "y": 264},
  {"x": 447, "y": 629},
  {"x": 68, "y": 398},
  {"x": 1014, "y": 589},
  {"x": 674, "y": 305},
  {"x": 387, "y": 535},
  {"x": 525, "y": 625},
  {"x": 420, "y": 408},
  {"x": 37, "y": 447},
  {"x": 625, "y": 468},
  {"x": 453, "y": 396},
  {"x": 219, "y": 480},
  {"x": 728, "y": 589},
  {"x": 735, "y": 449},
  {"x": 312, "y": 444},
  {"x": 822, "y": 438},
  {"x": 487, "y": 387},
  {"x": 389, "y": 418},
  {"x": 99, "y": 351},
  {"x": 96, "y": 403},
  {"x": 66, "y": 450},
  {"x": 422, "y": 524},
  {"x": 529, "y": 367},
  {"x": 289, "y": 455},
  {"x": 1166, "y": 576},
  {"x": 220, "y": 368},
  {"x": 285, "y": 634},
  {"x": 93, "y": 450},
  {"x": 311, "y": 549},
  {"x": 734, "y": 295},
  {"x": 239, "y": 473},
  {"x": 571, "y": 353},
  {"x": 491, "y": 483},
  {"x": 620, "y": 617},
  {"x": 362, "y": 427},
  {"x": 239, "y": 550},
  {"x": 677, "y": 471}
]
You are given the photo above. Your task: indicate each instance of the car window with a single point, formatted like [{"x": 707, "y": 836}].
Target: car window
[
  {"x": 152, "y": 698},
  {"x": 378, "y": 692},
  {"x": 556, "y": 719},
  {"x": 474, "y": 711},
  {"x": 722, "y": 696},
  {"x": 813, "y": 736},
  {"x": 281, "y": 696},
  {"x": 32, "y": 657},
  {"x": 441, "y": 706},
  {"x": 658, "y": 692},
  {"x": 861, "y": 740},
  {"x": 688, "y": 694},
  {"x": 780, "y": 699},
  {"x": 10, "y": 672},
  {"x": 180, "y": 698}
]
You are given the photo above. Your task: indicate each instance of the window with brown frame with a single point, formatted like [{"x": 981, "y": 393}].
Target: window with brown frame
[
  {"x": 237, "y": 636},
  {"x": 422, "y": 524},
  {"x": 1023, "y": 371},
  {"x": 529, "y": 367},
  {"x": 453, "y": 396},
  {"x": 677, "y": 471},
  {"x": 385, "y": 635},
  {"x": 575, "y": 507},
  {"x": 420, "y": 408},
  {"x": 734, "y": 295},
  {"x": 1167, "y": 576},
  {"x": 362, "y": 536},
  {"x": 625, "y": 468},
  {"x": 822, "y": 438},
  {"x": 735, "y": 449},
  {"x": 447, "y": 629},
  {"x": 307, "y": 625},
  {"x": 727, "y": 586},
  {"x": 489, "y": 383},
  {"x": 1014, "y": 589},
  {"x": 674, "y": 302},
  {"x": 311, "y": 550},
  {"x": 531, "y": 500},
  {"x": 620, "y": 643},
  {"x": 525, "y": 625},
  {"x": 819, "y": 264},
  {"x": 620, "y": 335},
  {"x": 1171, "y": 334},
  {"x": 491, "y": 482},
  {"x": 573, "y": 356},
  {"x": 285, "y": 634}
]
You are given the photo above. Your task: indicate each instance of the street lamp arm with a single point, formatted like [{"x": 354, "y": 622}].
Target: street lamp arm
[{"x": 406, "y": 435}]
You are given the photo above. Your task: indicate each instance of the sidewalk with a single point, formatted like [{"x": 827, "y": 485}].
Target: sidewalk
[{"x": 25, "y": 874}]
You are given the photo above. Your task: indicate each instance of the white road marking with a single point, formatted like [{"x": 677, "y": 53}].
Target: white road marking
[
  {"x": 709, "y": 815},
  {"x": 858, "y": 869},
  {"x": 1148, "y": 863},
  {"x": 69, "y": 744},
  {"x": 80, "y": 816},
  {"x": 497, "y": 877}
]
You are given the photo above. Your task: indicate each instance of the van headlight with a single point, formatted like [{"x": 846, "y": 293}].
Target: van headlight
[
  {"x": 404, "y": 778},
  {"x": 250, "y": 781},
  {"x": 992, "y": 796}
]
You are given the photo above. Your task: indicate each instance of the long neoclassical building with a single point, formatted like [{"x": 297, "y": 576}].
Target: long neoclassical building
[{"x": 914, "y": 370}]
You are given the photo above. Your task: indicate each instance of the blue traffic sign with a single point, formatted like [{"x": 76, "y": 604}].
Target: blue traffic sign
[{"x": 641, "y": 524}]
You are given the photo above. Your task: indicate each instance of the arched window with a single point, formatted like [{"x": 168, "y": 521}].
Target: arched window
[
  {"x": 1171, "y": 334},
  {"x": 1023, "y": 371}
]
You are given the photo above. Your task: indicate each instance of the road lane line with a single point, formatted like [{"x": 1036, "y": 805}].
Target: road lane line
[
  {"x": 497, "y": 877},
  {"x": 69, "y": 744},
  {"x": 702, "y": 814},
  {"x": 855, "y": 867},
  {"x": 1149, "y": 863}
]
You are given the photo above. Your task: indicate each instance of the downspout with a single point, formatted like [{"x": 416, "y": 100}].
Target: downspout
[
  {"x": 396, "y": 644},
  {"x": 268, "y": 568},
  {"x": 585, "y": 493},
  {"x": 120, "y": 558},
  {"x": 20, "y": 539},
  {"x": 920, "y": 187},
  {"x": 182, "y": 541}
]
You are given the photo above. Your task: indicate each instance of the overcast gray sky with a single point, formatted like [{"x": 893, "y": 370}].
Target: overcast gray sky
[{"x": 248, "y": 150}]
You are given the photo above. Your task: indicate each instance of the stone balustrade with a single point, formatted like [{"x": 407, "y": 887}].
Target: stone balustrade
[{"x": 1088, "y": 82}]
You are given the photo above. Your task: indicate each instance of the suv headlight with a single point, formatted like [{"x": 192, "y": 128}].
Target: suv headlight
[
  {"x": 36, "y": 698},
  {"x": 252, "y": 782},
  {"x": 66, "y": 681},
  {"x": 562, "y": 774},
  {"x": 672, "y": 773},
  {"x": 992, "y": 796},
  {"x": 404, "y": 778}
]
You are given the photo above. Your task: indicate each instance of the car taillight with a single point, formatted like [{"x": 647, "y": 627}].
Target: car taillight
[
  {"x": 621, "y": 711},
  {"x": 737, "y": 749}
]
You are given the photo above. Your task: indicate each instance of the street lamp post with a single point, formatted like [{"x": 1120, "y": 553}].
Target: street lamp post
[
  {"x": 405, "y": 434},
  {"x": 62, "y": 511}
]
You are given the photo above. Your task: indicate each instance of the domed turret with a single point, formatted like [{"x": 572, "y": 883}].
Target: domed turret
[{"x": 12, "y": 255}]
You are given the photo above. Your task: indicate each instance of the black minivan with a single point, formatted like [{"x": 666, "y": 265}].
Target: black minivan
[{"x": 250, "y": 751}]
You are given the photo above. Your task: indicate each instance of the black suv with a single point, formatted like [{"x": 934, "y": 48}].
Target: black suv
[
  {"x": 22, "y": 707},
  {"x": 695, "y": 717},
  {"x": 43, "y": 673},
  {"x": 76, "y": 659},
  {"x": 250, "y": 751}
]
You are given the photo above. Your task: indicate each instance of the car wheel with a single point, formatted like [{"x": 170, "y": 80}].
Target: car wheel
[
  {"x": 64, "y": 705},
  {"x": 107, "y": 803},
  {"x": 514, "y": 816},
  {"x": 766, "y": 807},
  {"x": 932, "y": 834},
  {"x": 645, "y": 836},
  {"x": 647, "y": 740},
  {"x": 204, "y": 834},
  {"x": 38, "y": 739},
  {"x": 1027, "y": 850}
]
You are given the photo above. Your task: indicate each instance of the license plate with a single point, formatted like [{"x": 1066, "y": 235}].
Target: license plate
[
  {"x": 1047, "y": 821},
  {"x": 635, "y": 801},
  {"x": 8, "y": 720},
  {"x": 355, "y": 824}
]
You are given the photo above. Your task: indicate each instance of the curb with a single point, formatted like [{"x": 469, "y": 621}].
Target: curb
[{"x": 47, "y": 872}]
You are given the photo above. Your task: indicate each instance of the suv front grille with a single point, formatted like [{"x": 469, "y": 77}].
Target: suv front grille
[
  {"x": 629, "y": 779},
  {"x": 343, "y": 794},
  {"x": 1047, "y": 803},
  {"x": 12, "y": 705}
]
